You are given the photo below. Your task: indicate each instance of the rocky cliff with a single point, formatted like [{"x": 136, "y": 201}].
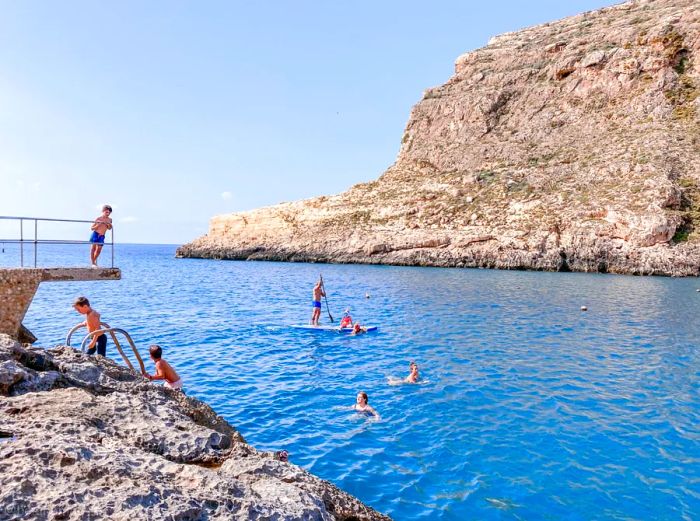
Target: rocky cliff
[
  {"x": 83, "y": 438},
  {"x": 573, "y": 145}
]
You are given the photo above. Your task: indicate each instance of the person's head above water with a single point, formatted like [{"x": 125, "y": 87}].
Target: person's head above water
[
  {"x": 356, "y": 328},
  {"x": 156, "y": 352},
  {"x": 362, "y": 398}
]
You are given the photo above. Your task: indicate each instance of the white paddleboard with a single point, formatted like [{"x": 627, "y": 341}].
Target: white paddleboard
[{"x": 336, "y": 329}]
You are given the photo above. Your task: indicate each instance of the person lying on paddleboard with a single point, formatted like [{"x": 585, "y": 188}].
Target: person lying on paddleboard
[
  {"x": 413, "y": 376},
  {"x": 362, "y": 405}
]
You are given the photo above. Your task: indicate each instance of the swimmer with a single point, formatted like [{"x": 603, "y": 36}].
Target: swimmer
[
  {"x": 361, "y": 405},
  {"x": 346, "y": 321},
  {"x": 413, "y": 376},
  {"x": 357, "y": 329}
]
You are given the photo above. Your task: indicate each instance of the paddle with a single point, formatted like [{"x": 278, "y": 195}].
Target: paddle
[{"x": 325, "y": 298}]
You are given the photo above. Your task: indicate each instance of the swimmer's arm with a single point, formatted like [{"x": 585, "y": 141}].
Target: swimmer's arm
[{"x": 371, "y": 409}]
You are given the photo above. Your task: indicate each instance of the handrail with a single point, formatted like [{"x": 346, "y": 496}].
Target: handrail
[
  {"x": 111, "y": 331},
  {"x": 15, "y": 217},
  {"x": 36, "y": 241},
  {"x": 78, "y": 326}
]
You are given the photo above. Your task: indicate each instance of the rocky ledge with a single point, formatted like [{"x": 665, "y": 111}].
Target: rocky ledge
[
  {"x": 83, "y": 438},
  {"x": 572, "y": 145}
]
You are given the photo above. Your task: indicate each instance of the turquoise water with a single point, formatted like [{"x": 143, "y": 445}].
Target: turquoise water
[{"x": 530, "y": 408}]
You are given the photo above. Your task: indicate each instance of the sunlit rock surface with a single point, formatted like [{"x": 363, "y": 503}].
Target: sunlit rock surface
[{"x": 572, "y": 145}]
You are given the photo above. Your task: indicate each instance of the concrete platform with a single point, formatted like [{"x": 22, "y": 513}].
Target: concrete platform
[{"x": 18, "y": 287}]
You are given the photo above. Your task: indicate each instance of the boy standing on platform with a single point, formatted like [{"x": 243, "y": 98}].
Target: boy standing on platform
[{"x": 99, "y": 229}]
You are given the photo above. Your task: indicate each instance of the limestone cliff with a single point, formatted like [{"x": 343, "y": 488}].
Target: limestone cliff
[
  {"x": 83, "y": 438},
  {"x": 573, "y": 145}
]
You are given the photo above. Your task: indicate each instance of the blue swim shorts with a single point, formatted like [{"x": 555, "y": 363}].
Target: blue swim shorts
[
  {"x": 316, "y": 303},
  {"x": 96, "y": 238}
]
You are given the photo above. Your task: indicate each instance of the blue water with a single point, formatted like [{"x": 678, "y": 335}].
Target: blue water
[{"x": 531, "y": 408}]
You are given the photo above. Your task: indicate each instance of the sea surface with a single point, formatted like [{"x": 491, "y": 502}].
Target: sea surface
[{"x": 529, "y": 408}]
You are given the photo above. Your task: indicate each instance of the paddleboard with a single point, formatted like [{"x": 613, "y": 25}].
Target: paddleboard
[{"x": 336, "y": 329}]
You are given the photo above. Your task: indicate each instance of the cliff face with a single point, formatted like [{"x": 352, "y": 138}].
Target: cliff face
[
  {"x": 573, "y": 145},
  {"x": 83, "y": 438}
]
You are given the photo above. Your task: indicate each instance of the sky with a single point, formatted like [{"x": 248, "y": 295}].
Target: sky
[{"x": 176, "y": 111}]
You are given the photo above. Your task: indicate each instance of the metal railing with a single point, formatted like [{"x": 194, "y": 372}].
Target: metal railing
[
  {"x": 36, "y": 241},
  {"x": 105, "y": 328}
]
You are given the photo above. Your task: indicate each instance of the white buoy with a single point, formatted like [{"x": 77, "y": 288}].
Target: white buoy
[
  {"x": 367, "y": 294},
  {"x": 584, "y": 308},
  {"x": 698, "y": 290}
]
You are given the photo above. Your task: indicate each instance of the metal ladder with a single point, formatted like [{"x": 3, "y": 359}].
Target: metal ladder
[{"x": 111, "y": 330}]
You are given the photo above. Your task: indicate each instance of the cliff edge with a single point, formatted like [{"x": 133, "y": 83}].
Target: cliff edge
[
  {"x": 84, "y": 438},
  {"x": 572, "y": 145}
]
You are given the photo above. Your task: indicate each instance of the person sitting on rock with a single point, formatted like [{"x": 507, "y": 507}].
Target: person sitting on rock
[{"x": 164, "y": 371}]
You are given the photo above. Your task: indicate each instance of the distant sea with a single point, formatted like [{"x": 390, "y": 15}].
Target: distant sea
[{"x": 530, "y": 408}]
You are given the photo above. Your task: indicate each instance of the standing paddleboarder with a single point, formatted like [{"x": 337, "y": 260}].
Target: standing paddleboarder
[{"x": 318, "y": 293}]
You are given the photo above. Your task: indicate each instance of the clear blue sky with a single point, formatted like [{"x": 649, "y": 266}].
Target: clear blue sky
[{"x": 176, "y": 111}]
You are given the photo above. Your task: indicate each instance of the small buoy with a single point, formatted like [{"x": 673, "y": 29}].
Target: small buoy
[
  {"x": 367, "y": 294},
  {"x": 584, "y": 308},
  {"x": 698, "y": 290}
]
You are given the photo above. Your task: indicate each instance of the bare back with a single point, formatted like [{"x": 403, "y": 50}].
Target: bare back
[
  {"x": 318, "y": 292},
  {"x": 164, "y": 369}
]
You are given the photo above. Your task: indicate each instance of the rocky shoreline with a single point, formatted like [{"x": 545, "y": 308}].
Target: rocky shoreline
[
  {"x": 84, "y": 438},
  {"x": 570, "y": 146}
]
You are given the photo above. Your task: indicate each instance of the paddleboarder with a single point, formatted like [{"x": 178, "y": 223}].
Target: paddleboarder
[{"x": 317, "y": 294}]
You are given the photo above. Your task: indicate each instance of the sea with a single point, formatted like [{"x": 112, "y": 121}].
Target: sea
[{"x": 528, "y": 406}]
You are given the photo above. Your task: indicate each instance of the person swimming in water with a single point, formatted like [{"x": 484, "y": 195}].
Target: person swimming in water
[
  {"x": 362, "y": 405},
  {"x": 357, "y": 329},
  {"x": 413, "y": 376},
  {"x": 346, "y": 321}
]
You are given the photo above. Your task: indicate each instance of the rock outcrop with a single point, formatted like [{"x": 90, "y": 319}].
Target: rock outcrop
[
  {"x": 84, "y": 438},
  {"x": 573, "y": 145}
]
